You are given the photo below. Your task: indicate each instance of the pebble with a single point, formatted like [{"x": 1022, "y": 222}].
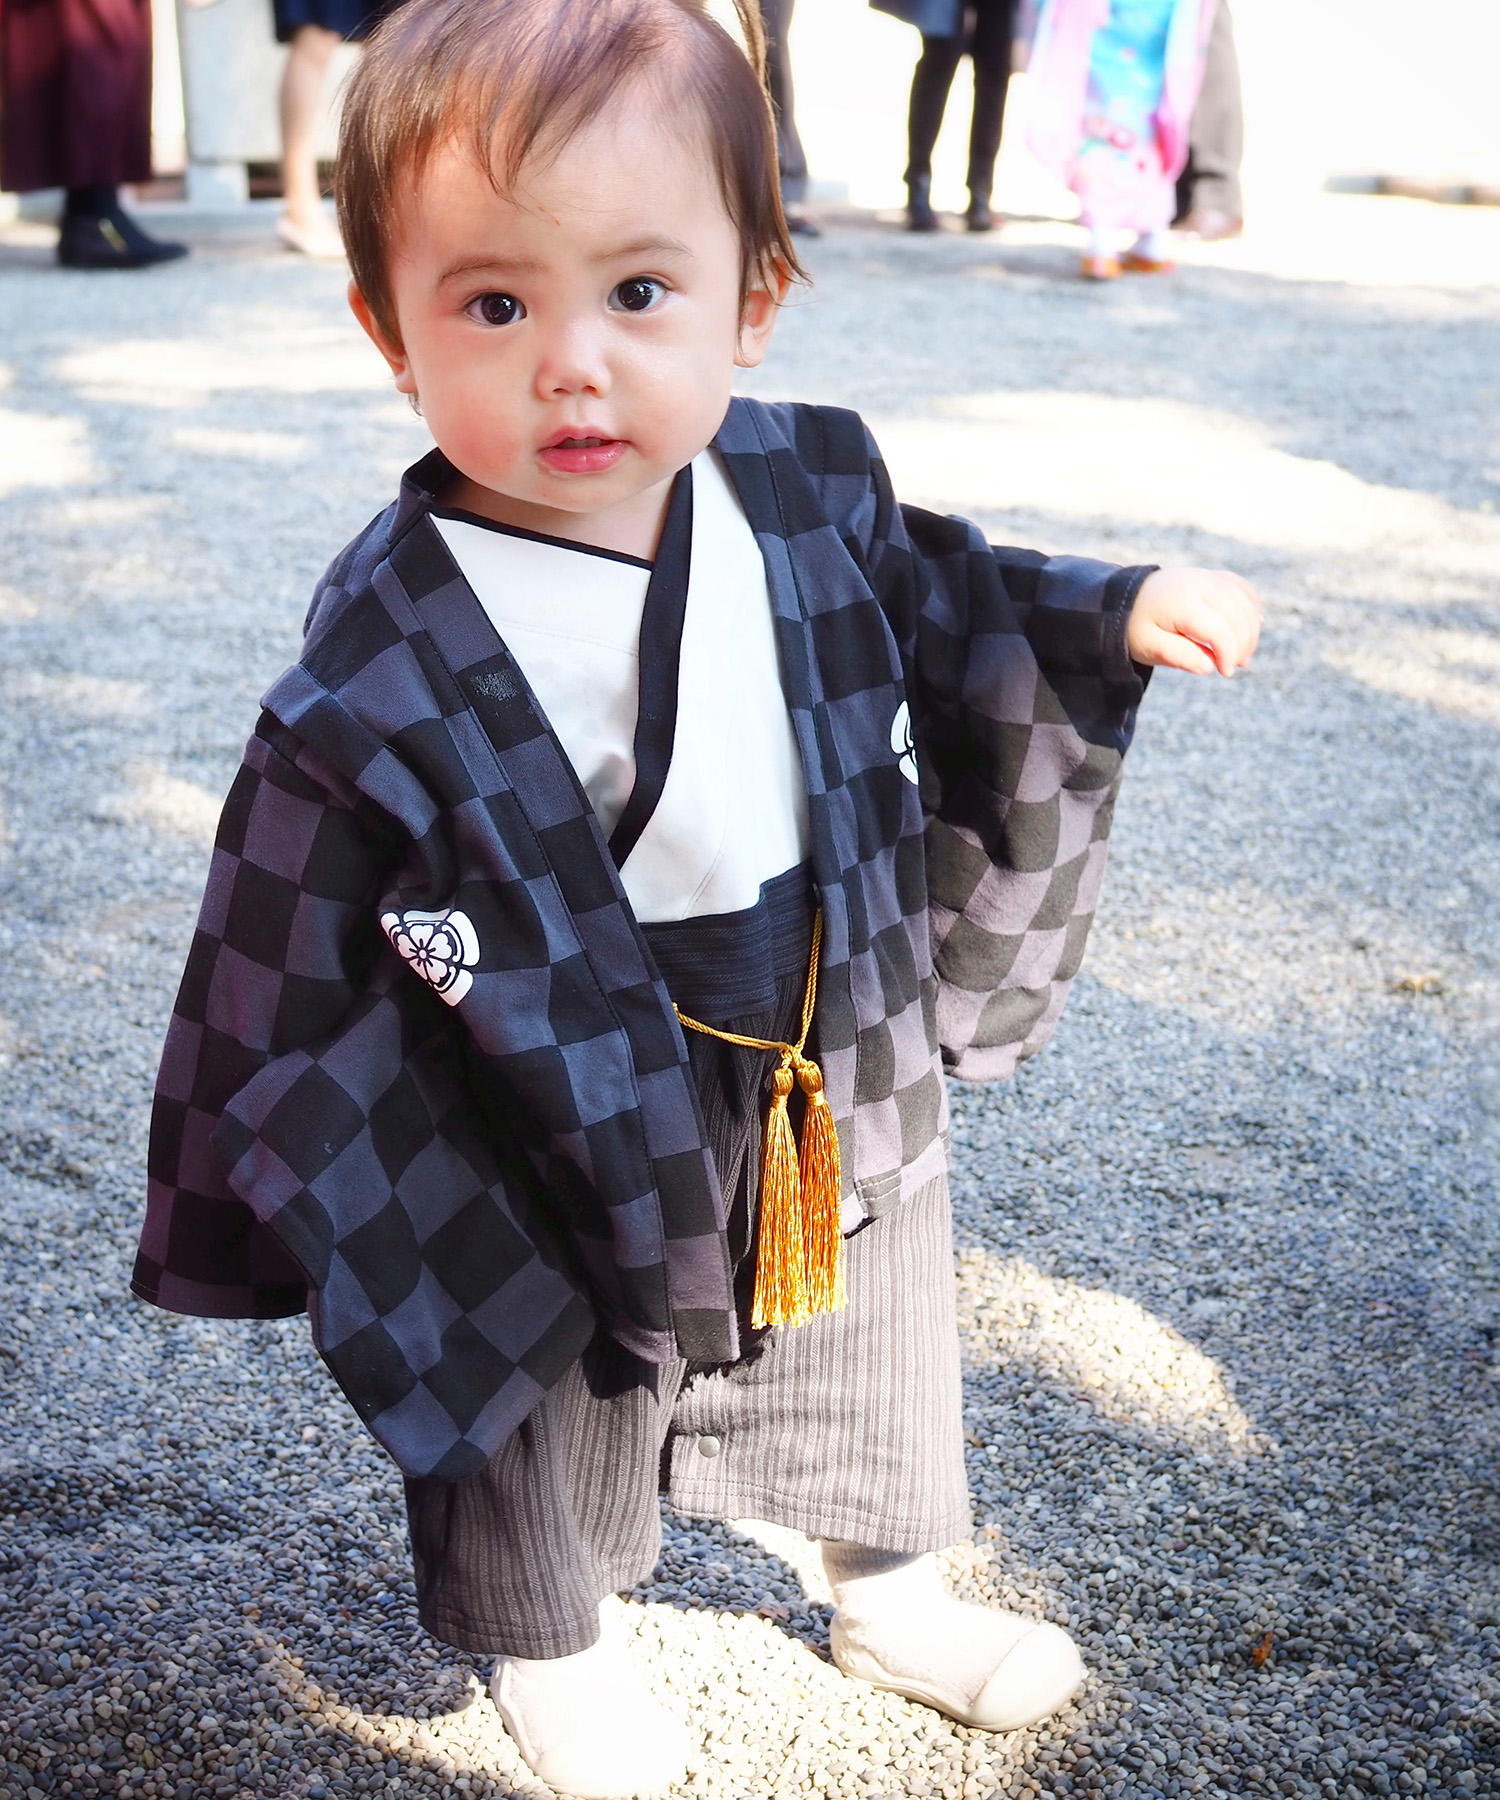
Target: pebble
[{"x": 1228, "y": 1253}]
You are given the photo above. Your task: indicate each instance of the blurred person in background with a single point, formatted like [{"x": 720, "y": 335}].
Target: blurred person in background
[
  {"x": 1209, "y": 203},
  {"x": 313, "y": 30},
  {"x": 949, "y": 28},
  {"x": 75, "y": 113},
  {"x": 791, "y": 159},
  {"x": 1113, "y": 84}
]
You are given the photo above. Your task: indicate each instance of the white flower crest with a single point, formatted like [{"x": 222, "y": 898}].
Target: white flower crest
[
  {"x": 903, "y": 743},
  {"x": 440, "y": 946}
]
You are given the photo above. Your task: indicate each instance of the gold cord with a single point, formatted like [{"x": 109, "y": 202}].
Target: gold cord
[
  {"x": 792, "y": 1053},
  {"x": 799, "y": 1257}
]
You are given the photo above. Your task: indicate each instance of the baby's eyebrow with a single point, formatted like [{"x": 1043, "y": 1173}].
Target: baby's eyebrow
[
  {"x": 491, "y": 265},
  {"x": 530, "y": 265},
  {"x": 645, "y": 246}
]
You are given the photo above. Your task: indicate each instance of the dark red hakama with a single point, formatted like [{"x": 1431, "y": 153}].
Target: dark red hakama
[{"x": 75, "y": 92}]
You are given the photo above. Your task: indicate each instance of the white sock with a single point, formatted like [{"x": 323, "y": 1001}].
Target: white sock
[
  {"x": 586, "y": 1723},
  {"x": 897, "y": 1626},
  {"x": 1101, "y": 241},
  {"x": 1152, "y": 246}
]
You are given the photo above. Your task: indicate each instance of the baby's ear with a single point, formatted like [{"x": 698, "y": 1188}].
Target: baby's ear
[
  {"x": 758, "y": 320},
  {"x": 391, "y": 350}
]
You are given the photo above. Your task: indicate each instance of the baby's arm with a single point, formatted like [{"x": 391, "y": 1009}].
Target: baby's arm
[{"x": 1194, "y": 619}]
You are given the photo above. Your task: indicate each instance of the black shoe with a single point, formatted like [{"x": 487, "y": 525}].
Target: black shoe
[
  {"x": 110, "y": 241},
  {"x": 979, "y": 217},
  {"x": 919, "y": 213},
  {"x": 802, "y": 224}
]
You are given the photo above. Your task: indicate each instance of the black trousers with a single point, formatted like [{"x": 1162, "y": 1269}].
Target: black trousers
[
  {"x": 988, "y": 28},
  {"x": 1216, "y": 138},
  {"x": 776, "y": 17}
]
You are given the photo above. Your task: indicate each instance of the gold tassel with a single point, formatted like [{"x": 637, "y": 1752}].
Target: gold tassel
[
  {"x": 781, "y": 1261},
  {"x": 799, "y": 1265},
  {"x": 820, "y": 1196}
]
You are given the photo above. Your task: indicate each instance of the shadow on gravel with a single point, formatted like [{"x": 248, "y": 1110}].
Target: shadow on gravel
[{"x": 77, "y": 1501}]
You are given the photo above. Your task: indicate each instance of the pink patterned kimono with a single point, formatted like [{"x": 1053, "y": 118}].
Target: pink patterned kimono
[{"x": 1113, "y": 85}]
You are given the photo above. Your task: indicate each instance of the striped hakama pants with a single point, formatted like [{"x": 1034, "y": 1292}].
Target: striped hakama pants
[{"x": 847, "y": 1427}]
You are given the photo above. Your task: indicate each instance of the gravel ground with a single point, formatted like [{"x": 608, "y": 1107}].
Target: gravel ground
[{"x": 1229, "y": 1253}]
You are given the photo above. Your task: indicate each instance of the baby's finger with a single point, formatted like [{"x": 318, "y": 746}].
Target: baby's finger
[
  {"x": 1171, "y": 650},
  {"x": 1206, "y": 622},
  {"x": 1257, "y": 619},
  {"x": 1240, "y": 603}
]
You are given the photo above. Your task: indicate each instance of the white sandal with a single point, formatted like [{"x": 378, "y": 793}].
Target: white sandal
[{"x": 322, "y": 241}]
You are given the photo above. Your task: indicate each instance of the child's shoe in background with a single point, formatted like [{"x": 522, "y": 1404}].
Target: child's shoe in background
[{"x": 1150, "y": 254}]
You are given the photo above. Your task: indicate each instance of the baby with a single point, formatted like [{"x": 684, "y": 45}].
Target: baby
[{"x": 649, "y": 780}]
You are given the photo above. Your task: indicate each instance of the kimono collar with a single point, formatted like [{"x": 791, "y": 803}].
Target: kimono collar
[
  {"x": 420, "y": 487},
  {"x": 661, "y": 634}
]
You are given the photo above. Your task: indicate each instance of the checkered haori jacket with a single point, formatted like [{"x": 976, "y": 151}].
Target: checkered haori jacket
[{"x": 423, "y": 1077}]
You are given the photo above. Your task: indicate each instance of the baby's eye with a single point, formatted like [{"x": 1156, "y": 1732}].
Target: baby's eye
[
  {"x": 496, "y": 309},
  {"x": 638, "y": 294}
]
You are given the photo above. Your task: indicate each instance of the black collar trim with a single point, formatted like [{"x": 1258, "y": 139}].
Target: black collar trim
[
  {"x": 660, "y": 656},
  {"x": 536, "y": 537}
]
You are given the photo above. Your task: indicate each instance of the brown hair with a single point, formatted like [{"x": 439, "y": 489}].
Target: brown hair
[{"x": 515, "y": 77}]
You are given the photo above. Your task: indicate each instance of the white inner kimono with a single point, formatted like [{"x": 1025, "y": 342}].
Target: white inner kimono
[{"x": 732, "y": 813}]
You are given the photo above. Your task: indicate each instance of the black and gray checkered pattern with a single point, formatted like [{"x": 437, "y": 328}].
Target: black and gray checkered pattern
[
  {"x": 954, "y": 922},
  {"x": 468, "y": 1158}
]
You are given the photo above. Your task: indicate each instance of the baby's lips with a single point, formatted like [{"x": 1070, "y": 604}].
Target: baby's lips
[
  {"x": 579, "y": 437},
  {"x": 590, "y": 457}
]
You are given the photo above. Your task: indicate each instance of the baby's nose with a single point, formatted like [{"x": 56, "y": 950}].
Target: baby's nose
[{"x": 574, "y": 361}]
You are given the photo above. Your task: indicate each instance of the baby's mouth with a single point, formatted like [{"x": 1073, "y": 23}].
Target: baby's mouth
[{"x": 582, "y": 453}]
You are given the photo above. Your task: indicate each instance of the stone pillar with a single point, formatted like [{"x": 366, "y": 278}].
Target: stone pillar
[{"x": 231, "y": 71}]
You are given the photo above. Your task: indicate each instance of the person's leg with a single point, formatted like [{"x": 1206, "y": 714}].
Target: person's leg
[
  {"x": 303, "y": 82},
  {"x": 517, "y": 1559},
  {"x": 791, "y": 158},
  {"x": 930, "y": 82},
  {"x": 994, "y": 27},
  {"x": 75, "y": 113},
  {"x": 1209, "y": 200}
]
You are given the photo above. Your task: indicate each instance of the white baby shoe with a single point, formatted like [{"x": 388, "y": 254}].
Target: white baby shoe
[
  {"x": 900, "y": 1629},
  {"x": 586, "y": 1724}
]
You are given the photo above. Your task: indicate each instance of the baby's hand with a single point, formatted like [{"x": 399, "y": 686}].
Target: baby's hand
[{"x": 1194, "y": 619}]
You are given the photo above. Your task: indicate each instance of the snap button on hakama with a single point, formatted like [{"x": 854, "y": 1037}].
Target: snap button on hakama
[{"x": 709, "y": 1446}]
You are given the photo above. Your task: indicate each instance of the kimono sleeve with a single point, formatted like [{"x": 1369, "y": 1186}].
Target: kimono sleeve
[
  {"x": 1023, "y": 700},
  {"x": 284, "y": 943}
]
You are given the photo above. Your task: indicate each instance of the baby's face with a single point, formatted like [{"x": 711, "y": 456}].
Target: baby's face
[{"x": 573, "y": 344}]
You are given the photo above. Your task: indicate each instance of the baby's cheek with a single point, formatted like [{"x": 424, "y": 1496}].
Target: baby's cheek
[
  {"x": 689, "y": 398},
  {"x": 480, "y": 441}
]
